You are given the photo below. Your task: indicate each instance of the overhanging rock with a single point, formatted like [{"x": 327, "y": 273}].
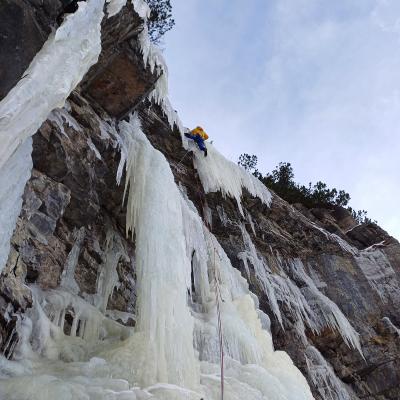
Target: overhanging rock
[{"x": 119, "y": 81}]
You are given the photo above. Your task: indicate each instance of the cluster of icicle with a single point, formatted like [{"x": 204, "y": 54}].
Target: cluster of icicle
[
  {"x": 220, "y": 174},
  {"x": 176, "y": 336},
  {"x": 66, "y": 57},
  {"x": 323, "y": 376},
  {"x": 153, "y": 58},
  {"x": 308, "y": 305},
  {"x": 173, "y": 351}
]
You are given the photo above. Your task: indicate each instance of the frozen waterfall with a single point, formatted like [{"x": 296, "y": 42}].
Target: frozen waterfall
[{"x": 173, "y": 350}]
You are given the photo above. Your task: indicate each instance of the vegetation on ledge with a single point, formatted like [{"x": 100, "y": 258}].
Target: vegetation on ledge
[{"x": 318, "y": 195}]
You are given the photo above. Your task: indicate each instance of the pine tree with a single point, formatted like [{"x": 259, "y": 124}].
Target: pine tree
[{"x": 160, "y": 20}]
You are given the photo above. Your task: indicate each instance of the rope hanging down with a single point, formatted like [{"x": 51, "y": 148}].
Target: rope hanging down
[
  {"x": 180, "y": 162},
  {"x": 220, "y": 332},
  {"x": 218, "y": 298}
]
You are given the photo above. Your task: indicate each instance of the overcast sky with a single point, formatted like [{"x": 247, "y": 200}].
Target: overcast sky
[{"x": 312, "y": 82}]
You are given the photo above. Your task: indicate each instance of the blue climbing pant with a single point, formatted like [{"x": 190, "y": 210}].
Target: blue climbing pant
[{"x": 199, "y": 140}]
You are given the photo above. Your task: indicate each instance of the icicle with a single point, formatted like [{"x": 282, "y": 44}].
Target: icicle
[
  {"x": 162, "y": 265},
  {"x": 328, "y": 310},
  {"x": 308, "y": 305},
  {"x": 335, "y": 238},
  {"x": 153, "y": 58},
  {"x": 324, "y": 378},
  {"x": 66, "y": 57},
  {"x": 160, "y": 96},
  {"x": 219, "y": 174},
  {"x": 13, "y": 177},
  {"x": 245, "y": 340},
  {"x": 67, "y": 278},
  {"x": 173, "y": 352},
  {"x": 391, "y": 326},
  {"x": 93, "y": 148},
  {"x": 277, "y": 287},
  {"x": 107, "y": 277},
  {"x": 250, "y": 220},
  {"x": 61, "y": 115}
]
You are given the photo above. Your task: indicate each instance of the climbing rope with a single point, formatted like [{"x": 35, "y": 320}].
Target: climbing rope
[
  {"x": 220, "y": 332},
  {"x": 218, "y": 302},
  {"x": 180, "y": 162}
]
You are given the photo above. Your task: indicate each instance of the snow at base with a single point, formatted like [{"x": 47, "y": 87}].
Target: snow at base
[
  {"x": 220, "y": 174},
  {"x": 173, "y": 351}
]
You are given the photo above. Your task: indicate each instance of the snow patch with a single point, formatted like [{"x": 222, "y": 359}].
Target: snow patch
[{"x": 114, "y": 7}]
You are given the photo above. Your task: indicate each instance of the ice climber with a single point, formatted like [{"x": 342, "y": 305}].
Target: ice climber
[{"x": 199, "y": 136}]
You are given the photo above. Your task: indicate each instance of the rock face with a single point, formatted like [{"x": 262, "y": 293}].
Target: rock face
[
  {"x": 34, "y": 19},
  {"x": 328, "y": 285}
]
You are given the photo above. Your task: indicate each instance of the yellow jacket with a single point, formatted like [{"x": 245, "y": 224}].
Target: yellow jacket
[{"x": 200, "y": 132}]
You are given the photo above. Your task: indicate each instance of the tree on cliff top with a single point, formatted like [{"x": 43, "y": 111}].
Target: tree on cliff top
[
  {"x": 281, "y": 180},
  {"x": 160, "y": 20}
]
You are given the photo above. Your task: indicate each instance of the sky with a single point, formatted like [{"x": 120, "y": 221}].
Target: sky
[{"x": 312, "y": 82}]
